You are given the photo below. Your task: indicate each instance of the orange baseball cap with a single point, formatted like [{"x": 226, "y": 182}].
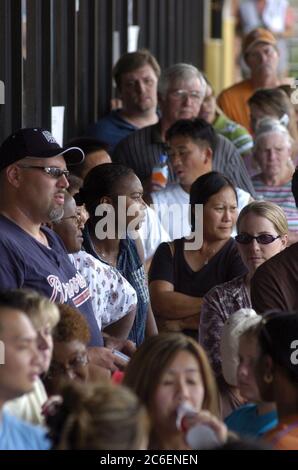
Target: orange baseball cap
[{"x": 256, "y": 36}]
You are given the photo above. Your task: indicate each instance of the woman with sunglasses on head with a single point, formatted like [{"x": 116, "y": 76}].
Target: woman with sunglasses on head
[
  {"x": 262, "y": 233},
  {"x": 276, "y": 373}
]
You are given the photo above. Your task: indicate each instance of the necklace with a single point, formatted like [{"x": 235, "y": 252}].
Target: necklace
[
  {"x": 107, "y": 257},
  {"x": 208, "y": 255}
]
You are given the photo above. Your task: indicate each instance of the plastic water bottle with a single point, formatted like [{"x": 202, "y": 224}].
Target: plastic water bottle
[
  {"x": 160, "y": 174},
  {"x": 199, "y": 436}
]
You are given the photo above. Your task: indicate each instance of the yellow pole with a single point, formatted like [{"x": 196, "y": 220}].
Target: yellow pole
[
  {"x": 213, "y": 62},
  {"x": 228, "y": 51}
]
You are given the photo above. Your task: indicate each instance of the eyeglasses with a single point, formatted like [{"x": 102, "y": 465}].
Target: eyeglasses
[
  {"x": 58, "y": 369},
  {"x": 76, "y": 218},
  {"x": 49, "y": 170},
  {"x": 182, "y": 94},
  {"x": 263, "y": 239}
]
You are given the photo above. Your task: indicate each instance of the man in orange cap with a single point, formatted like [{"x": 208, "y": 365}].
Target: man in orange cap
[{"x": 261, "y": 55}]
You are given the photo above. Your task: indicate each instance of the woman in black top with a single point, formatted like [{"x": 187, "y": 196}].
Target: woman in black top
[{"x": 181, "y": 273}]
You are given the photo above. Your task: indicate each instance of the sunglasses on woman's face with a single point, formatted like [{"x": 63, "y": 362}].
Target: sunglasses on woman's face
[{"x": 263, "y": 239}]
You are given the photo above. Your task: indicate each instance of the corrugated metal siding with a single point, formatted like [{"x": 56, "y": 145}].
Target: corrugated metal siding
[{"x": 69, "y": 54}]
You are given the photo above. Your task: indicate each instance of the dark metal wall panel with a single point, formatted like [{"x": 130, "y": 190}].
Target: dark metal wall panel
[
  {"x": 86, "y": 36},
  {"x": 65, "y": 82},
  {"x": 71, "y": 107},
  {"x": 171, "y": 29},
  {"x": 179, "y": 30},
  {"x": 193, "y": 27},
  {"x": 105, "y": 62},
  {"x": 69, "y": 54},
  {"x": 120, "y": 22},
  {"x": 37, "y": 65},
  {"x": 11, "y": 66}
]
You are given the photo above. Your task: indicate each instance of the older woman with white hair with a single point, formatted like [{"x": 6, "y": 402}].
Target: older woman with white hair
[{"x": 273, "y": 153}]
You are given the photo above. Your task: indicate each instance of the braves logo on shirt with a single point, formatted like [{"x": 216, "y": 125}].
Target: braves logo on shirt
[{"x": 63, "y": 291}]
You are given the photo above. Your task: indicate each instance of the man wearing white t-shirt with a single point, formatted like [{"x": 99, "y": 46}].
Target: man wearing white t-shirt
[{"x": 192, "y": 144}]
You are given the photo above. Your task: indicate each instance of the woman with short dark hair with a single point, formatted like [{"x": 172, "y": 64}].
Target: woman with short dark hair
[
  {"x": 113, "y": 196},
  {"x": 182, "y": 271}
]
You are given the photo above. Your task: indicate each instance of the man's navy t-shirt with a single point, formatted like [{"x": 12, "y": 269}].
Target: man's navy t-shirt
[{"x": 27, "y": 263}]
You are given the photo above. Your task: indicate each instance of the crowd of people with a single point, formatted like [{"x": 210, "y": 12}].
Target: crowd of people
[{"x": 137, "y": 315}]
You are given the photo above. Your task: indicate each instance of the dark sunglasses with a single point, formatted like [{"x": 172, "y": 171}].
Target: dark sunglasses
[
  {"x": 49, "y": 170},
  {"x": 263, "y": 239}
]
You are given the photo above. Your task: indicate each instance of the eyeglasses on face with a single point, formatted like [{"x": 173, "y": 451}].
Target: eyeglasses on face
[
  {"x": 49, "y": 170},
  {"x": 77, "y": 218},
  {"x": 58, "y": 369},
  {"x": 182, "y": 94},
  {"x": 263, "y": 239}
]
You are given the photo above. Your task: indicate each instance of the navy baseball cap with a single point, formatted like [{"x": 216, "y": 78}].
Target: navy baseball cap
[{"x": 37, "y": 143}]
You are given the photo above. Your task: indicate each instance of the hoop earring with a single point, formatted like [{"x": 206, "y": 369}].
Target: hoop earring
[{"x": 268, "y": 378}]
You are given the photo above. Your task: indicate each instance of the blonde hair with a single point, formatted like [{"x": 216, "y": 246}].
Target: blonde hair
[
  {"x": 269, "y": 211},
  {"x": 98, "y": 417},
  {"x": 38, "y": 308}
]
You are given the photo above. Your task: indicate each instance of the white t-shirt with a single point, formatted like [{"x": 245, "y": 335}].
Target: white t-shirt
[
  {"x": 28, "y": 406},
  {"x": 152, "y": 233},
  {"x": 112, "y": 295},
  {"x": 172, "y": 207}
]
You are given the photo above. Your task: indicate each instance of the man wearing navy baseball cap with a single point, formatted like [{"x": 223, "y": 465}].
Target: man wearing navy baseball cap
[
  {"x": 33, "y": 181},
  {"x": 35, "y": 143}
]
